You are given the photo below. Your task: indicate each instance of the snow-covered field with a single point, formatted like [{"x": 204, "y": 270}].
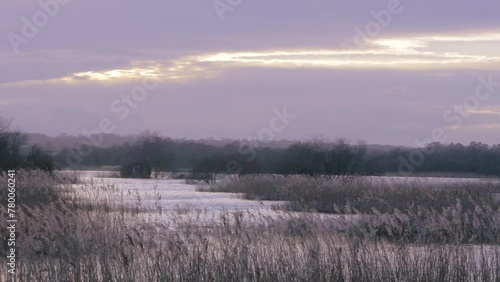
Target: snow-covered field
[
  {"x": 170, "y": 195},
  {"x": 176, "y": 195},
  {"x": 171, "y": 202}
]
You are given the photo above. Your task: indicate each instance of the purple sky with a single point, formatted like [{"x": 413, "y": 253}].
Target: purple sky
[{"x": 385, "y": 71}]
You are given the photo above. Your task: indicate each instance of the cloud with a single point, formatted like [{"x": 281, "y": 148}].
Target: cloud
[
  {"x": 489, "y": 112},
  {"x": 413, "y": 53},
  {"x": 420, "y": 53},
  {"x": 222, "y": 79}
]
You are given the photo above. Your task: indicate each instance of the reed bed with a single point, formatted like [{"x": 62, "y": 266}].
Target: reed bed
[
  {"x": 397, "y": 209},
  {"x": 68, "y": 237}
]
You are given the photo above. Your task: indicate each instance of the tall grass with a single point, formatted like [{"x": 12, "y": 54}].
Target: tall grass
[
  {"x": 67, "y": 240},
  {"x": 409, "y": 210},
  {"x": 362, "y": 194}
]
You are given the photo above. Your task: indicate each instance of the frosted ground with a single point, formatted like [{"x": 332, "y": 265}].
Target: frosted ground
[
  {"x": 169, "y": 200},
  {"x": 175, "y": 195}
]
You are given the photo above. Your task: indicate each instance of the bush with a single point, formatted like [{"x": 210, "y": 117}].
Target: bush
[
  {"x": 33, "y": 188},
  {"x": 135, "y": 170},
  {"x": 12, "y": 151}
]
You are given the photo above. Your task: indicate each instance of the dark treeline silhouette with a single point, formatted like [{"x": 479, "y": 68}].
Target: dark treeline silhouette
[
  {"x": 476, "y": 158},
  {"x": 319, "y": 158},
  {"x": 15, "y": 153},
  {"x": 156, "y": 154},
  {"x": 151, "y": 153},
  {"x": 64, "y": 140}
]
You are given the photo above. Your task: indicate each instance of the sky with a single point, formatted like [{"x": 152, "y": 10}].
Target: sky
[{"x": 384, "y": 71}]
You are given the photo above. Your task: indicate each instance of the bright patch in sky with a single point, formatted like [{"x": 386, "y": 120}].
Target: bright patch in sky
[{"x": 434, "y": 52}]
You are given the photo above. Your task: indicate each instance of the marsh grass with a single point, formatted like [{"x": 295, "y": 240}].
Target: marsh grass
[
  {"x": 411, "y": 210},
  {"x": 362, "y": 194},
  {"x": 66, "y": 239}
]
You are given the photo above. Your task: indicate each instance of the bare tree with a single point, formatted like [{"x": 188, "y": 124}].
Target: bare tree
[
  {"x": 11, "y": 146},
  {"x": 16, "y": 153},
  {"x": 153, "y": 152},
  {"x": 337, "y": 160}
]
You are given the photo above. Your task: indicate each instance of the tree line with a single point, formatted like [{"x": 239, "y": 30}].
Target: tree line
[
  {"x": 155, "y": 154},
  {"x": 16, "y": 153},
  {"x": 476, "y": 158}
]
